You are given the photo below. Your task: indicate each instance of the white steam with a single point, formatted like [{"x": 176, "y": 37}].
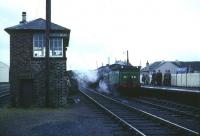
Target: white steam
[
  {"x": 85, "y": 76},
  {"x": 103, "y": 87}
]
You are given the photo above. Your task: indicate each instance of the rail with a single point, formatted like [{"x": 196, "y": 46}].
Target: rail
[
  {"x": 167, "y": 124},
  {"x": 4, "y": 94}
]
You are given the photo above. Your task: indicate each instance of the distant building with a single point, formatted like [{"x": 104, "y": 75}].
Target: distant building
[
  {"x": 146, "y": 69},
  {"x": 28, "y": 64},
  {"x": 173, "y": 66},
  {"x": 4, "y": 72}
]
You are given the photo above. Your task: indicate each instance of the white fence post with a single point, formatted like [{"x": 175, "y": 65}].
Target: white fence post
[
  {"x": 199, "y": 81},
  {"x": 186, "y": 79}
]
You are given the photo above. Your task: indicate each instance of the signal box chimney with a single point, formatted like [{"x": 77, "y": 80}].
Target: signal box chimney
[{"x": 23, "y": 18}]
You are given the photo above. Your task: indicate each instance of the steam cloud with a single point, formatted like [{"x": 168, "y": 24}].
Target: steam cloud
[
  {"x": 103, "y": 87},
  {"x": 85, "y": 77}
]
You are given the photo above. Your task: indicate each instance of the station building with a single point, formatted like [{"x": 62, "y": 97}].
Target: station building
[
  {"x": 173, "y": 66},
  {"x": 4, "y": 72},
  {"x": 183, "y": 73},
  {"x": 27, "y": 75}
]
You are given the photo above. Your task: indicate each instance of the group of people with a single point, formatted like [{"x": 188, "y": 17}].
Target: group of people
[{"x": 157, "y": 78}]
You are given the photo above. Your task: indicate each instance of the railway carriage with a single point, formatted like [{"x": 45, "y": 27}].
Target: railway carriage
[{"x": 120, "y": 78}]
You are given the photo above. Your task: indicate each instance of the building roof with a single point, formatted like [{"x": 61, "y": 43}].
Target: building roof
[
  {"x": 192, "y": 65},
  {"x": 37, "y": 24},
  {"x": 153, "y": 66},
  {"x": 3, "y": 65},
  {"x": 156, "y": 65}
]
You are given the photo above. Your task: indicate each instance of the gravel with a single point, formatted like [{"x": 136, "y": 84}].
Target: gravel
[{"x": 78, "y": 119}]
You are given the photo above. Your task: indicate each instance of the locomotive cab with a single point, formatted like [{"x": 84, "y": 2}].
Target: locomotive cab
[
  {"x": 120, "y": 78},
  {"x": 129, "y": 79}
]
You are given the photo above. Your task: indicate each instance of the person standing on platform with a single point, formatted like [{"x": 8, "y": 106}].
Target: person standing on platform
[
  {"x": 169, "y": 78},
  {"x": 159, "y": 78},
  {"x": 143, "y": 78},
  {"x": 153, "y": 80},
  {"x": 146, "y": 79},
  {"x": 165, "y": 80}
]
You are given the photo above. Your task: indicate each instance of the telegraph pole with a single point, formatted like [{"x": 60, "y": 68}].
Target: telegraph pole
[
  {"x": 127, "y": 58},
  {"x": 47, "y": 41}
]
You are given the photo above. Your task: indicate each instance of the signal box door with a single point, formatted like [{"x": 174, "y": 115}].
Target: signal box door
[{"x": 26, "y": 93}]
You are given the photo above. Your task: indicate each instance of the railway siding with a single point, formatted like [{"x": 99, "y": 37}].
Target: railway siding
[
  {"x": 4, "y": 92},
  {"x": 142, "y": 121}
]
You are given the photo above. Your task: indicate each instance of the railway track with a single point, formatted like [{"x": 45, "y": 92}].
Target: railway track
[
  {"x": 4, "y": 90},
  {"x": 4, "y": 94},
  {"x": 181, "y": 116},
  {"x": 181, "y": 108},
  {"x": 139, "y": 122},
  {"x": 108, "y": 123},
  {"x": 186, "y": 110}
]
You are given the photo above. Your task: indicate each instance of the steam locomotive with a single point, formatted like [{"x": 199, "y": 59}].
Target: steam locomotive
[{"x": 119, "y": 78}]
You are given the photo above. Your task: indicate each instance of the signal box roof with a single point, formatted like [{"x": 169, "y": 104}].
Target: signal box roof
[{"x": 35, "y": 25}]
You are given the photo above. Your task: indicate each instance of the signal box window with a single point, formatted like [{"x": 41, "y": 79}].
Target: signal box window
[
  {"x": 56, "y": 47},
  {"x": 38, "y": 45}
]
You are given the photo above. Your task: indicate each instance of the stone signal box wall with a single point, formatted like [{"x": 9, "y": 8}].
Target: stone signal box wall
[{"x": 28, "y": 64}]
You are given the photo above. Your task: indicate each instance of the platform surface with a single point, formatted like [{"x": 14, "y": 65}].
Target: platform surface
[{"x": 182, "y": 89}]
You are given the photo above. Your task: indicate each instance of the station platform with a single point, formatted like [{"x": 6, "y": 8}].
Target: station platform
[
  {"x": 173, "y": 88},
  {"x": 188, "y": 96}
]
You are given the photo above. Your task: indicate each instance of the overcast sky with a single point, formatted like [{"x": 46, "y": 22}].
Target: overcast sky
[{"x": 150, "y": 29}]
